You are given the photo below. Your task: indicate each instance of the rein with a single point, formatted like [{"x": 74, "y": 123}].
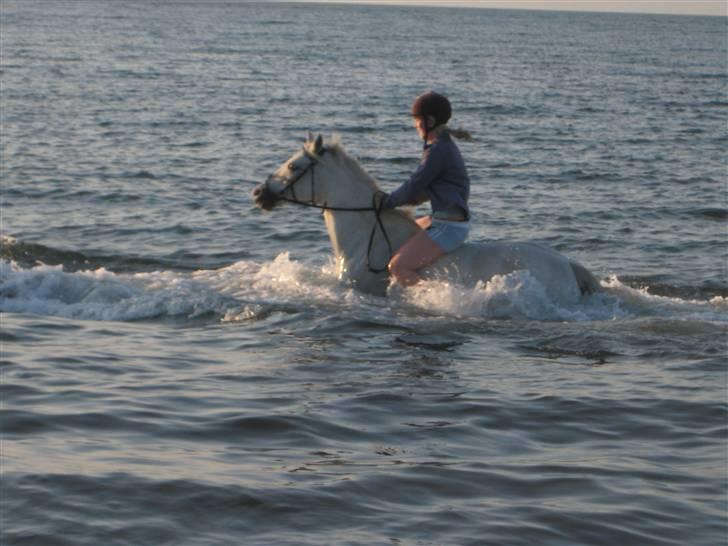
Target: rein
[{"x": 375, "y": 208}]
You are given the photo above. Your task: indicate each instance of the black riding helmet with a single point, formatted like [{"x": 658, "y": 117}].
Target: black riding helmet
[
  {"x": 435, "y": 105},
  {"x": 432, "y": 104}
]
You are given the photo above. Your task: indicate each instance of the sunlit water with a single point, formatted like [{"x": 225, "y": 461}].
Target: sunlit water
[{"x": 181, "y": 368}]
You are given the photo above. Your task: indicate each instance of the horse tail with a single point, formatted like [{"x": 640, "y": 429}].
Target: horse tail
[{"x": 588, "y": 283}]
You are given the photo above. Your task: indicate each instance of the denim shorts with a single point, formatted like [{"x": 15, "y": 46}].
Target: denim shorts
[{"x": 448, "y": 235}]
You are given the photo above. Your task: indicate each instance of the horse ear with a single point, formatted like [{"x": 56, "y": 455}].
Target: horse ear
[
  {"x": 318, "y": 145},
  {"x": 309, "y": 138}
]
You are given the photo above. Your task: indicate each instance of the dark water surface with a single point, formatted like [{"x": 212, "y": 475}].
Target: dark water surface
[{"x": 179, "y": 368}]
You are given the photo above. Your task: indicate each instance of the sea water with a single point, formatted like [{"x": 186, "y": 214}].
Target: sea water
[{"x": 180, "y": 368}]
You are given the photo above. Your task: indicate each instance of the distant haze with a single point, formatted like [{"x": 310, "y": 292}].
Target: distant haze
[{"x": 678, "y": 7}]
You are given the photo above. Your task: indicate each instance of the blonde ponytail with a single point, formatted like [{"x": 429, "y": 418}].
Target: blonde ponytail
[{"x": 460, "y": 134}]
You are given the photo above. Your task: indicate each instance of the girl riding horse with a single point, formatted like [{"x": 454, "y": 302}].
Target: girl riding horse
[{"x": 442, "y": 179}]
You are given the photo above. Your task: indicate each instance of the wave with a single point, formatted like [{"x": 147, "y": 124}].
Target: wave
[
  {"x": 713, "y": 213},
  {"x": 32, "y": 254},
  {"x": 655, "y": 285},
  {"x": 100, "y": 294},
  {"x": 251, "y": 291},
  {"x": 242, "y": 291}
]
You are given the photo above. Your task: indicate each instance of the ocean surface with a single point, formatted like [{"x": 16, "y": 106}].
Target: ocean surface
[{"x": 180, "y": 368}]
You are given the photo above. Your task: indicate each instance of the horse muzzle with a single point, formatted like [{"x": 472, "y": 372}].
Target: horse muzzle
[{"x": 264, "y": 197}]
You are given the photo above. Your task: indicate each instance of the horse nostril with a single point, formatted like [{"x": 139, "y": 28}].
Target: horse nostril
[{"x": 264, "y": 197}]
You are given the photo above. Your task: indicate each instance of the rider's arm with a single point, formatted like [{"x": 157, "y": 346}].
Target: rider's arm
[{"x": 414, "y": 191}]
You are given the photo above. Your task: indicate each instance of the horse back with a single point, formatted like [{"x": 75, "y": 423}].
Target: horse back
[{"x": 480, "y": 261}]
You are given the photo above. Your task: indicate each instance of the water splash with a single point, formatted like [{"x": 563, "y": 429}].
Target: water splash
[
  {"x": 517, "y": 296},
  {"x": 102, "y": 295},
  {"x": 248, "y": 291}
]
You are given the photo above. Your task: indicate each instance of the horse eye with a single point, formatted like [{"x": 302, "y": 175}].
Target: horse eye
[{"x": 291, "y": 166}]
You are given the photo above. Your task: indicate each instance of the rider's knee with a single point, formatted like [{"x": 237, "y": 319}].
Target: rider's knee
[
  {"x": 401, "y": 272},
  {"x": 394, "y": 265},
  {"x": 397, "y": 268}
]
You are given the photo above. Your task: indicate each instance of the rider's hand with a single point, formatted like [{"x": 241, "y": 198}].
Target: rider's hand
[{"x": 379, "y": 198}]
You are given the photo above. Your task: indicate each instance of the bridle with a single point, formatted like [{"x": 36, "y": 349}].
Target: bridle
[{"x": 376, "y": 208}]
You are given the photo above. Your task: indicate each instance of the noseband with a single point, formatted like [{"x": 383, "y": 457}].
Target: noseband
[{"x": 289, "y": 184}]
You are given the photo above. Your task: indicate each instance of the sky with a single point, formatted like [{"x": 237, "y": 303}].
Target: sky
[{"x": 680, "y": 7}]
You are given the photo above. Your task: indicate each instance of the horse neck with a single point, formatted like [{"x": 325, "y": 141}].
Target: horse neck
[
  {"x": 346, "y": 186},
  {"x": 350, "y": 232}
]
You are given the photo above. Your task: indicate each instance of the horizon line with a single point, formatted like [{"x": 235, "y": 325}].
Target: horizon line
[{"x": 705, "y": 8}]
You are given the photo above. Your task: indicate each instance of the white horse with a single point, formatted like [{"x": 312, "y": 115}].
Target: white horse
[{"x": 364, "y": 238}]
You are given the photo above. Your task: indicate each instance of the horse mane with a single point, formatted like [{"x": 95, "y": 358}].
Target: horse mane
[{"x": 337, "y": 148}]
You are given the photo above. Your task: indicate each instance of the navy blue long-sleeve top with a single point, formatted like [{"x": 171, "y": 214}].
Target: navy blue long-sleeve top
[{"x": 440, "y": 178}]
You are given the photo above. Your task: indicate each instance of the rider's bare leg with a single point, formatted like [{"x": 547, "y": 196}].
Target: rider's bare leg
[{"x": 417, "y": 252}]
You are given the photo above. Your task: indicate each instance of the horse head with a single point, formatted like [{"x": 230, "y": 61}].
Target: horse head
[{"x": 295, "y": 180}]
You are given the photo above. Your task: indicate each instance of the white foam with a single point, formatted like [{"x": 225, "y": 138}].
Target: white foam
[
  {"x": 246, "y": 290},
  {"x": 282, "y": 279},
  {"x": 520, "y": 296},
  {"x": 517, "y": 295},
  {"x": 101, "y": 294},
  {"x": 237, "y": 292}
]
